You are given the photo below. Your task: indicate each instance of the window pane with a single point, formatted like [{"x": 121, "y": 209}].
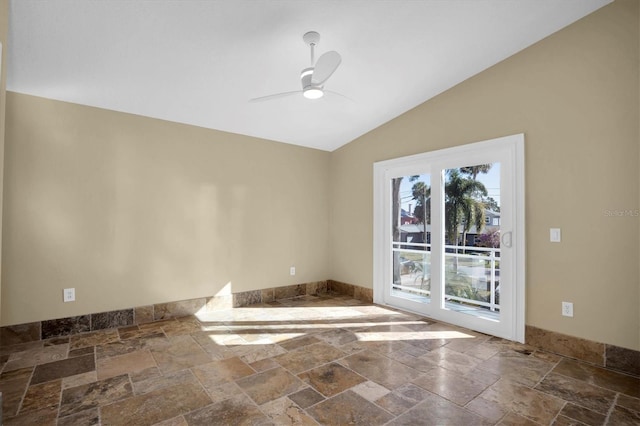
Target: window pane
[
  {"x": 411, "y": 237},
  {"x": 472, "y": 240}
]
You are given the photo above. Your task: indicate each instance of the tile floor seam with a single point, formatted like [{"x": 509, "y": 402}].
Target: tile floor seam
[
  {"x": 394, "y": 416},
  {"x": 344, "y": 391},
  {"x": 258, "y": 406},
  {"x": 418, "y": 403},
  {"x": 154, "y": 360},
  {"x": 206, "y": 391},
  {"x": 235, "y": 381},
  {"x": 261, "y": 409},
  {"x": 616, "y": 392},
  {"x": 439, "y": 396},
  {"x": 564, "y": 404},
  {"x": 599, "y": 367},
  {"x": 59, "y": 398},
  {"x": 611, "y": 409},
  {"x": 26, "y": 389},
  {"x": 478, "y": 414},
  {"x": 315, "y": 403},
  {"x": 199, "y": 381},
  {"x": 444, "y": 397},
  {"x": 544, "y": 376}
]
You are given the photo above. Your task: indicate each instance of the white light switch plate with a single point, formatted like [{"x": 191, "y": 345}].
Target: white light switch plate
[{"x": 555, "y": 235}]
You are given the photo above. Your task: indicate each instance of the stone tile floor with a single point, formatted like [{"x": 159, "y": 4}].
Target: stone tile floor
[{"x": 309, "y": 360}]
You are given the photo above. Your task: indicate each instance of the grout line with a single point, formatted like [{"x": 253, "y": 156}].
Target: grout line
[
  {"x": 26, "y": 389},
  {"x": 553, "y": 421},
  {"x": 611, "y": 409},
  {"x": 551, "y": 370}
]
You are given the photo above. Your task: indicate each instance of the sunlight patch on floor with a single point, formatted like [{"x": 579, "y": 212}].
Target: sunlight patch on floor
[
  {"x": 260, "y": 325},
  {"x": 411, "y": 335}
]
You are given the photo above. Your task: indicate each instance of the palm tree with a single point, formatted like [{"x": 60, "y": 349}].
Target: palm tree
[
  {"x": 491, "y": 204},
  {"x": 473, "y": 215},
  {"x": 395, "y": 224},
  {"x": 422, "y": 194},
  {"x": 473, "y": 171},
  {"x": 463, "y": 205}
]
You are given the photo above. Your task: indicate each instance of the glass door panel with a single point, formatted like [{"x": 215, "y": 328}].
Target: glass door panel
[
  {"x": 411, "y": 238},
  {"x": 472, "y": 240}
]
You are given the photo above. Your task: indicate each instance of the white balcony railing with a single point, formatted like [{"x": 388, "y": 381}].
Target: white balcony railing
[{"x": 472, "y": 274}]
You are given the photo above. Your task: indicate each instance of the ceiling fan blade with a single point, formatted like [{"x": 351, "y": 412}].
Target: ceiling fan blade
[
  {"x": 331, "y": 92},
  {"x": 275, "y": 96},
  {"x": 325, "y": 67}
]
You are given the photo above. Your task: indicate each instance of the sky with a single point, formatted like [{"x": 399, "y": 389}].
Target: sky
[{"x": 490, "y": 180}]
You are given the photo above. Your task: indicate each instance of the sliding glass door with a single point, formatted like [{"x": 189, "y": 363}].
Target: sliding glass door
[{"x": 449, "y": 235}]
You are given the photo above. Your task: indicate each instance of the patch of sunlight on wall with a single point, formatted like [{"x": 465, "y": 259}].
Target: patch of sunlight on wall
[{"x": 225, "y": 291}]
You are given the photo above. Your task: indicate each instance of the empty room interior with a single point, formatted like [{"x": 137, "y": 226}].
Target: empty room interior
[{"x": 237, "y": 212}]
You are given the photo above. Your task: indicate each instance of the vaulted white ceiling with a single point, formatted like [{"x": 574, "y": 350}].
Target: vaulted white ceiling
[{"x": 199, "y": 62}]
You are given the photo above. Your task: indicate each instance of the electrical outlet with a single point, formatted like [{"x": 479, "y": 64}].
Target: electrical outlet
[
  {"x": 292, "y": 270},
  {"x": 69, "y": 295},
  {"x": 567, "y": 309}
]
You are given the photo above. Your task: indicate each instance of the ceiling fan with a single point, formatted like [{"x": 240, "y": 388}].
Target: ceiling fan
[{"x": 313, "y": 77}]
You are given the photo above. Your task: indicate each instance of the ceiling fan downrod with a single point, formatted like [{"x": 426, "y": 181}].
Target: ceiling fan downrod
[
  {"x": 311, "y": 38},
  {"x": 310, "y": 90}
]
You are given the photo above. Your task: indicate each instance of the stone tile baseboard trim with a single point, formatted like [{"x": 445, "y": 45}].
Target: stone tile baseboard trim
[
  {"x": 47, "y": 329},
  {"x": 600, "y": 354},
  {"x": 360, "y": 293},
  {"x": 252, "y": 297}
]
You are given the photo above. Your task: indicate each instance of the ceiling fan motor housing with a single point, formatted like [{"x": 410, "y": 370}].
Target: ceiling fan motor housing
[
  {"x": 305, "y": 78},
  {"x": 310, "y": 90}
]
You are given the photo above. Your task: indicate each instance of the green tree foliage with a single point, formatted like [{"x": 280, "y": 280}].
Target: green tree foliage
[
  {"x": 463, "y": 205},
  {"x": 491, "y": 204},
  {"x": 422, "y": 194},
  {"x": 474, "y": 171}
]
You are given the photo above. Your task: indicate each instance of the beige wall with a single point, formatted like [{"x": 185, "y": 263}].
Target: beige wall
[
  {"x": 575, "y": 96},
  {"x": 638, "y": 46},
  {"x": 4, "y": 28},
  {"x": 132, "y": 211}
]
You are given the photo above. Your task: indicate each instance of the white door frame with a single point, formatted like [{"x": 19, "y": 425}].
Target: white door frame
[{"x": 513, "y": 148}]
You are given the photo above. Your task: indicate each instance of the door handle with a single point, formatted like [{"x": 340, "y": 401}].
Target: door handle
[{"x": 507, "y": 239}]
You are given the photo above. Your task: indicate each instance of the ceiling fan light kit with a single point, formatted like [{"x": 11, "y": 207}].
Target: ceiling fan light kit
[
  {"x": 313, "y": 77},
  {"x": 312, "y": 93}
]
